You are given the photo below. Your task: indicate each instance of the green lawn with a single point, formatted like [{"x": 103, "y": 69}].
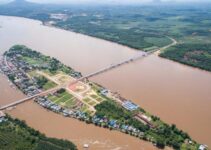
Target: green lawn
[
  {"x": 84, "y": 108},
  {"x": 70, "y": 103},
  {"x": 97, "y": 98},
  {"x": 92, "y": 103},
  {"x": 32, "y": 61},
  {"x": 87, "y": 100},
  {"x": 64, "y": 99},
  {"x": 94, "y": 96},
  {"x": 49, "y": 85},
  {"x": 100, "y": 99}
]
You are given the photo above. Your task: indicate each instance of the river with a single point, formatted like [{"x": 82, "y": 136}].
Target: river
[{"x": 176, "y": 93}]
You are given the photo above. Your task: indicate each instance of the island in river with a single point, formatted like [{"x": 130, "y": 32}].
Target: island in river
[
  {"x": 57, "y": 87},
  {"x": 143, "y": 27}
]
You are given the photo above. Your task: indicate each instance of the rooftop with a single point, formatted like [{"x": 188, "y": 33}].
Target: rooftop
[
  {"x": 130, "y": 106},
  {"x": 2, "y": 114}
]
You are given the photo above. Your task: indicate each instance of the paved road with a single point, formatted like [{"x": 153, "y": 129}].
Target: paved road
[{"x": 139, "y": 56}]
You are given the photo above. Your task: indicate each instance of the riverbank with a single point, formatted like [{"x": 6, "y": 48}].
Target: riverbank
[
  {"x": 15, "y": 134},
  {"x": 74, "y": 96},
  {"x": 50, "y": 124},
  {"x": 78, "y": 132},
  {"x": 151, "y": 76}
]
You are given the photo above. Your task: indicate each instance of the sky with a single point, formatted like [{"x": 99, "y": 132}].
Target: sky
[{"x": 111, "y": 1}]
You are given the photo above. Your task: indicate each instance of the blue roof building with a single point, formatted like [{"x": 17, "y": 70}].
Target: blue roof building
[{"x": 130, "y": 106}]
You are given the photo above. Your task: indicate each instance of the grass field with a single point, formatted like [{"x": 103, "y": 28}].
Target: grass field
[
  {"x": 97, "y": 98},
  {"x": 92, "y": 103},
  {"x": 64, "y": 99},
  {"x": 87, "y": 100},
  {"x": 67, "y": 100},
  {"x": 85, "y": 109},
  {"x": 49, "y": 85},
  {"x": 33, "y": 61}
]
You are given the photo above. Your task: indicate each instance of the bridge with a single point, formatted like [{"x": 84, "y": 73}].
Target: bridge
[
  {"x": 29, "y": 98},
  {"x": 131, "y": 59},
  {"x": 113, "y": 66},
  {"x": 140, "y": 55}
]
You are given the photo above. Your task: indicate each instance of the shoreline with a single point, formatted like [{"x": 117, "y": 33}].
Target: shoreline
[
  {"x": 156, "y": 53},
  {"x": 141, "y": 124},
  {"x": 178, "y": 66},
  {"x": 83, "y": 133},
  {"x": 77, "y": 33}
]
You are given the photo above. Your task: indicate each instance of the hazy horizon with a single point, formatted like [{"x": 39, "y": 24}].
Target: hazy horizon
[{"x": 111, "y": 1}]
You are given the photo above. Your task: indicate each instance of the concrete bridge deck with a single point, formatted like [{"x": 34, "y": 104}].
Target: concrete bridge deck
[{"x": 139, "y": 56}]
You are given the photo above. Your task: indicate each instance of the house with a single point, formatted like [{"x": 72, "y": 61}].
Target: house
[
  {"x": 130, "y": 106},
  {"x": 203, "y": 147},
  {"x": 2, "y": 115},
  {"x": 112, "y": 123},
  {"x": 104, "y": 92}
]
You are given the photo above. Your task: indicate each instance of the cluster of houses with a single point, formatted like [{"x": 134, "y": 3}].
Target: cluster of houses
[
  {"x": 16, "y": 71},
  {"x": 46, "y": 103},
  {"x": 101, "y": 121},
  {"x": 114, "y": 124},
  {"x": 97, "y": 120},
  {"x": 128, "y": 105},
  {"x": 13, "y": 66}
]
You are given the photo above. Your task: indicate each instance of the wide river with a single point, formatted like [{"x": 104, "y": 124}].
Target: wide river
[{"x": 176, "y": 93}]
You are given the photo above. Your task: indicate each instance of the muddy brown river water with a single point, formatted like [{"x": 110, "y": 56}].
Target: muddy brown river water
[{"x": 176, "y": 93}]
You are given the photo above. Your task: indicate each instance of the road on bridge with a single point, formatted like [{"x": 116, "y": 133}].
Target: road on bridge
[{"x": 139, "y": 56}]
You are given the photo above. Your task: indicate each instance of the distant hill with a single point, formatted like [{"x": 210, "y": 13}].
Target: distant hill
[{"x": 21, "y": 3}]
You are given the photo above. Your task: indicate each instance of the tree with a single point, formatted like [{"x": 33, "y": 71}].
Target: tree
[{"x": 160, "y": 143}]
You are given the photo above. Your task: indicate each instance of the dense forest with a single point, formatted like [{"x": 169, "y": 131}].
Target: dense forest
[
  {"x": 196, "y": 55},
  {"x": 16, "y": 135}
]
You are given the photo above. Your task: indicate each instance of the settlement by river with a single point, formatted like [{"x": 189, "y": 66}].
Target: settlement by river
[{"x": 177, "y": 93}]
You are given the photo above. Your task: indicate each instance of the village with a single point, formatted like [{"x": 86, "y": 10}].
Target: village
[
  {"x": 33, "y": 73},
  {"x": 23, "y": 75}
]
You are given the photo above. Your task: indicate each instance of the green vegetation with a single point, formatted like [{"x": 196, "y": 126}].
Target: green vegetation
[
  {"x": 63, "y": 99},
  {"x": 87, "y": 100},
  {"x": 140, "y": 27},
  {"x": 39, "y": 61},
  {"x": 49, "y": 85},
  {"x": 162, "y": 134},
  {"x": 196, "y": 55},
  {"x": 41, "y": 81},
  {"x": 16, "y": 135}
]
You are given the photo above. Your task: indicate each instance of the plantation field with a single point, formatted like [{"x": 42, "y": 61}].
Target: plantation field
[
  {"x": 196, "y": 55},
  {"x": 16, "y": 135}
]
